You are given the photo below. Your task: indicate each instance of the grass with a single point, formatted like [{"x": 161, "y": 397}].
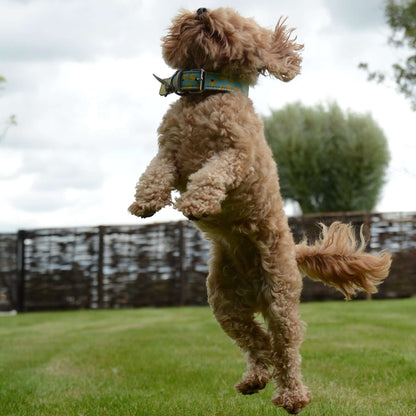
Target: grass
[{"x": 359, "y": 358}]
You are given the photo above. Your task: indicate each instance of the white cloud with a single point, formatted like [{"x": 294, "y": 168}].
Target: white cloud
[
  {"x": 62, "y": 170},
  {"x": 74, "y": 30},
  {"x": 356, "y": 14}
]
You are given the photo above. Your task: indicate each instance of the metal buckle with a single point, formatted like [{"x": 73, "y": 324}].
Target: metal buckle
[
  {"x": 202, "y": 80},
  {"x": 178, "y": 76},
  {"x": 174, "y": 84}
]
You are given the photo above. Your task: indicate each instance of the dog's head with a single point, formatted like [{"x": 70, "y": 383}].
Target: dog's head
[{"x": 222, "y": 40}]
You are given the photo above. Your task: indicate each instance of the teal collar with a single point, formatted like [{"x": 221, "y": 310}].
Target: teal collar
[{"x": 196, "y": 81}]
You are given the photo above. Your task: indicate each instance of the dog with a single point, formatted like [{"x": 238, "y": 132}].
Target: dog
[{"x": 213, "y": 151}]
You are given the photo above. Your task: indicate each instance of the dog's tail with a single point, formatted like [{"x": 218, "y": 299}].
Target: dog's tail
[{"x": 339, "y": 260}]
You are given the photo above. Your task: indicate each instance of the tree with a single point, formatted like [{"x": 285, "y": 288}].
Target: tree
[
  {"x": 401, "y": 17},
  {"x": 11, "y": 121},
  {"x": 328, "y": 161}
]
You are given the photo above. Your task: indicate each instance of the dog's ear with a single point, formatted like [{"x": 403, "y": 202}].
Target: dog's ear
[{"x": 280, "y": 55}]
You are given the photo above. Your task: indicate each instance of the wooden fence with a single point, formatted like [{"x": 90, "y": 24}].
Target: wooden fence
[{"x": 162, "y": 264}]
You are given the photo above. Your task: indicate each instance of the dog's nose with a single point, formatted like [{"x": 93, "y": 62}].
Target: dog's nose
[{"x": 201, "y": 10}]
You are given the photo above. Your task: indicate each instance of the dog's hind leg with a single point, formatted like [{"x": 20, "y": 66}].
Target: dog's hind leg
[
  {"x": 281, "y": 292},
  {"x": 237, "y": 320},
  {"x": 239, "y": 324}
]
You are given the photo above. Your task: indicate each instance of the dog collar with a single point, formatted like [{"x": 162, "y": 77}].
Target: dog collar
[{"x": 196, "y": 81}]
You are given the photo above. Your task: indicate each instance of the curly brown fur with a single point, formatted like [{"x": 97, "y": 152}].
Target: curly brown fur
[
  {"x": 339, "y": 260},
  {"x": 212, "y": 149}
]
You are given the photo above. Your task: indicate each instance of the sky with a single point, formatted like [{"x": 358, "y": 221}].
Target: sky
[{"x": 79, "y": 81}]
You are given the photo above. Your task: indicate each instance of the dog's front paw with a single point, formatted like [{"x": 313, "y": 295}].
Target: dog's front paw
[
  {"x": 196, "y": 208},
  {"x": 140, "y": 210},
  {"x": 292, "y": 400}
]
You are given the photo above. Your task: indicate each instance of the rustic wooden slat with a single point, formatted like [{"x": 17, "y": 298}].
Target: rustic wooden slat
[{"x": 166, "y": 264}]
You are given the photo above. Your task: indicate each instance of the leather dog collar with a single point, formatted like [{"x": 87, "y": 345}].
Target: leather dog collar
[{"x": 196, "y": 81}]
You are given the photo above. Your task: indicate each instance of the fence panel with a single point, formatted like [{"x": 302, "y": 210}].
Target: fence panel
[
  {"x": 142, "y": 265},
  {"x": 164, "y": 264},
  {"x": 8, "y": 272},
  {"x": 60, "y": 268},
  {"x": 397, "y": 234}
]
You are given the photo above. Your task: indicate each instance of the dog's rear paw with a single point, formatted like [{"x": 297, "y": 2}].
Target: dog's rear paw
[
  {"x": 293, "y": 400},
  {"x": 252, "y": 383}
]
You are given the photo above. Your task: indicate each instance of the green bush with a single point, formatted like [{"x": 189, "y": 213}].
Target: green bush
[{"x": 328, "y": 161}]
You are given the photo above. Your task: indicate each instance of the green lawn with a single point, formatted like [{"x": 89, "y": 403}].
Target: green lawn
[{"x": 359, "y": 358}]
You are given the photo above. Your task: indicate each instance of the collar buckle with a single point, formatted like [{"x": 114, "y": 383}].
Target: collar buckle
[
  {"x": 201, "y": 80},
  {"x": 179, "y": 84}
]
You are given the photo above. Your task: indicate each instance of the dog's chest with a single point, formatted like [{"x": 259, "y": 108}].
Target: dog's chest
[{"x": 193, "y": 134}]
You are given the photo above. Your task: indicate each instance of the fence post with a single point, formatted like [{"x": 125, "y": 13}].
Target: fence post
[
  {"x": 21, "y": 271},
  {"x": 100, "y": 274},
  {"x": 182, "y": 275},
  {"x": 368, "y": 222}
]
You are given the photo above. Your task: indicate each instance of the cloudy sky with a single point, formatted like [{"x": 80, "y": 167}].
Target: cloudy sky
[{"x": 79, "y": 80}]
